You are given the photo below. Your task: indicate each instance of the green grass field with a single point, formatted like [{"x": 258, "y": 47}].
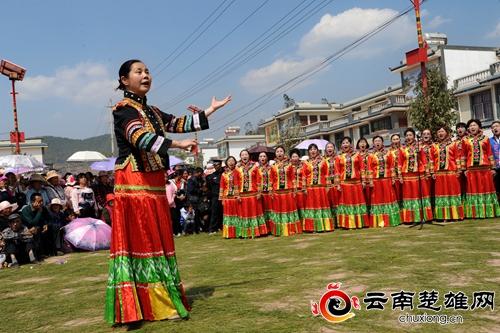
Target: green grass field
[{"x": 266, "y": 285}]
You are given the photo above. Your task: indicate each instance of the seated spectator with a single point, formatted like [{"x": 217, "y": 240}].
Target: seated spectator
[
  {"x": 34, "y": 217},
  {"x": 56, "y": 221},
  {"x": 3, "y": 255},
  {"x": 187, "y": 219},
  {"x": 54, "y": 188},
  {"x": 36, "y": 185},
  {"x": 19, "y": 244},
  {"x": 107, "y": 211},
  {"x": 6, "y": 208},
  {"x": 16, "y": 189}
]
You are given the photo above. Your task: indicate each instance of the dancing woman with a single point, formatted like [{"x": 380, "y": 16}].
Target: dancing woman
[
  {"x": 412, "y": 171},
  {"x": 317, "y": 213},
  {"x": 333, "y": 194},
  {"x": 351, "y": 211},
  {"x": 229, "y": 194},
  {"x": 266, "y": 188},
  {"x": 481, "y": 200},
  {"x": 253, "y": 223},
  {"x": 384, "y": 209},
  {"x": 286, "y": 220},
  {"x": 447, "y": 192},
  {"x": 144, "y": 281}
]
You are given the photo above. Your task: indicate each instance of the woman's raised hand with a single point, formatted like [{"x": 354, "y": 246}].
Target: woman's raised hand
[{"x": 215, "y": 105}]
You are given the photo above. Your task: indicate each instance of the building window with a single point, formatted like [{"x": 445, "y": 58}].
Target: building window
[
  {"x": 323, "y": 117},
  {"x": 481, "y": 105},
  {"x": 303, "y": 120},
  {"x": 364, "y": 130},
  {"x": 497, "y": 92},
  {"x": 403, "y": 122},
  {"x": 313, "y": 119},
  {"x": 381, "y": 124},
  {"x": 356, "y": 109}
]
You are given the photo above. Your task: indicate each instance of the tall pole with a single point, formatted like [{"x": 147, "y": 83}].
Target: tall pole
[
  {"x": 112, "y": 128},
  {"x": 16, "y": 125},
  {"x": 422, "y": 48}
]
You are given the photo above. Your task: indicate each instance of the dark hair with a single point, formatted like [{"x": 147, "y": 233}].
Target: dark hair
[
  {"x": 81, "y": 175},
  {"x": 445, "y": 127},
  {"x": 477, "y": 121},
  {"x": 294, "y": 151},
  {"x": 396, "y": 134},
  {"x": 363, "y": 139},
  {"x": 495, "y": 122},
  {"x": 348, "y": 138},
  {"x": 34, "y": 195},
  {"x": 312, "y": 145},
  {"x": 198, "y": 169},
  {"x": 410, "y": 130},
  {"x": 246, "y": 151},
  {"x": 229, "y": 157},
  {"x": 263, "y": 152},
  {"x": 179, "y": 172},
  {"x": 124, "y": 71},
  {"x": 379, "y": 137},
  {"x": 460, "y": 124},
  {"x": 284, "y": 150}
]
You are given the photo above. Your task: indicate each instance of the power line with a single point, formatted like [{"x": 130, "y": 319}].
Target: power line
[
  {"x": 198, "y": 36},
  {"x": 190, "y": 35},
  {"x": 214, "y": 46},
  {"x": 314, "y": 69},
  {"x": 249, "y": 52}
]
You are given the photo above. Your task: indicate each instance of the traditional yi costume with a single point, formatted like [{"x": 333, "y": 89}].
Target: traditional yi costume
[{"x": 229, "y": 195}]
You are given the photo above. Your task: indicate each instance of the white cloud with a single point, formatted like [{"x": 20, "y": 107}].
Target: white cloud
[
  {"x": 495, "y": 33},
  {"x": 83, "y": 84},
  {"x": 333, "y": 32},
  {"x": 436, "y": 22},
  {"x": 268, "y": 77}
]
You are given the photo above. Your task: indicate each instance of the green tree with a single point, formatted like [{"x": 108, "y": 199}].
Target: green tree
[
  {"x": 438, "y": 109},
  {"x": 290, "y": 135}
]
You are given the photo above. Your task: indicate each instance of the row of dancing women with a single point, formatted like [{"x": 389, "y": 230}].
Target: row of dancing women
[{"x": 422, "y": 180}]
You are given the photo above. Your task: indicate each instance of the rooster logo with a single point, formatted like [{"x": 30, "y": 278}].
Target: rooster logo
[{"x": 335, "y": 305}]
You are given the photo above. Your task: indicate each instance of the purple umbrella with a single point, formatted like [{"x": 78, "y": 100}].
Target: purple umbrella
[
  {"x": 106, "y": 165},
  {"x": 319, "y": 142},
  {"x": 174, "y": 160},
  {"x": 88, "y": 234}
]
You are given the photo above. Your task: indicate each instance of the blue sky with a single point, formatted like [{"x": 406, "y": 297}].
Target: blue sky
[{"x": 73, "y": 49}]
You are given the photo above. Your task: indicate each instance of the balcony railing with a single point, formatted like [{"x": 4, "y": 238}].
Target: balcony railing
[
  {"x": 477, "y": 77},
  {"x": 393, "y": 100}
]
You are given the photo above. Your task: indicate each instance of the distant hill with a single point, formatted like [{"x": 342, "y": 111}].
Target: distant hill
[{"x": 61, "y": 148}]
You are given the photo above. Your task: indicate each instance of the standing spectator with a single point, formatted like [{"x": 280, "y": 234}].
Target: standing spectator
[
  {"x": 91, "y": 181},
  {"x": 102, "y": 188},
  {"x": 180, "y": 199},
  {"x": 4, "y": 191},
  {"x": 213, "y": 185},
  {"x": 68, "y": 190},
  {"x": 495, "y": 147},
  {"x": 54, "y": 188},
  {"x": 18, "y": 241},
  {"x": 36, "y": 185},
  {"x": 193, "y": 190}
]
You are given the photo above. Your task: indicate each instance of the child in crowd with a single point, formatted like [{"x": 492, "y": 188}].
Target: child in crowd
[{"x": 187, "y": 218}]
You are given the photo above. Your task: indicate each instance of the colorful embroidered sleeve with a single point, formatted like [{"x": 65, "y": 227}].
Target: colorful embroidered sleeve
[
  {"x": 188, "y": 123},
  {"x": 128, "y": 122},
  {"x": 488, "y": 152}
]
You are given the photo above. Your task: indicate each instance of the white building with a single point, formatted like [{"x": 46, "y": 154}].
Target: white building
[
  {"x": 33, "y": 147},
  {"x": 233, "y": 143},
  {"x": 208, "y": 149}
]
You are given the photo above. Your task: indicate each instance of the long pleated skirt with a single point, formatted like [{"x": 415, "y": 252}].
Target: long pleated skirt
[
  {"x": 317, "y": 214},
  {"x": 481, "y": 199},
  {"x": 448, "y": 196},
  {"x": 384, "y": 210},
  {"x": 351, "y": 211},
  {"x": 416, "y": 199},
  {"x": 144, "y": 281},
  {"x": 285, "y": 219}
]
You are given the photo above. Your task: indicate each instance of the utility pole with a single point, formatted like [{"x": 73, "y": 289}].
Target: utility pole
[
  {"x": 422, "y": 50},
  {"x": 111, "y": 127}
]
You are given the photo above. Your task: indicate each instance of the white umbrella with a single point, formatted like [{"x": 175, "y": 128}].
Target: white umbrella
[
  {"x": 86, "y": 156},
  {"x": 21, "y": 163},
  {"x": 319, "y": 142}
]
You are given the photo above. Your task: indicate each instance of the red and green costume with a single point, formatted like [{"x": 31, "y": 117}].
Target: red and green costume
[
  {"x": 481, "y": 200},
  {"x": 250, "y": 212},
  {"x": 300, "y": 188},
  {"x": 447, "y": 191},
  {"x": 266, "y": 190},
  {"x": 317, "y": 213},
  {"x": 229, "y": 195},
  {"x": 384, "y": 209},
  {"x": 416, "y": 198},
  {"x": 285, "y": 217},
  {"x": 351, "y": 211},
  {"x": 333, "y": 193}
]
